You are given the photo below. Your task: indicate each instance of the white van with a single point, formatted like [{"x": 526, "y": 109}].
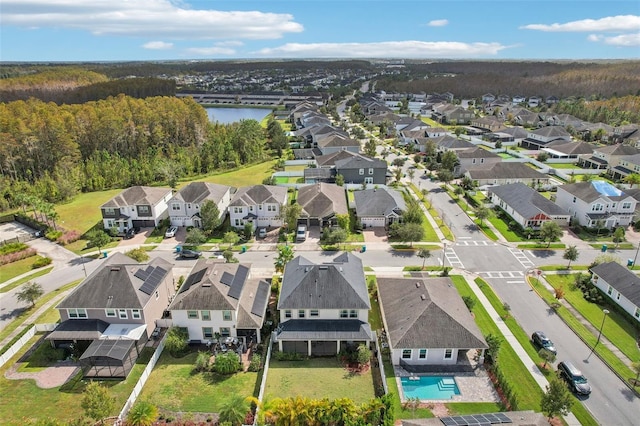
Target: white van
[{"x": 301, "y": 234}]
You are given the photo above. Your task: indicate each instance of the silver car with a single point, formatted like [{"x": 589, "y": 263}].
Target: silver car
[{"x": 171, "y": 232}]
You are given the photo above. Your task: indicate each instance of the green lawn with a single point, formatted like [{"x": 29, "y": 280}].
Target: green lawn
[
  {"x": 503, "y": 228},
  {"x": 14, "y": 269},
  {"x": 83, "y": 212},
  {"x": 563, "y": 165},
  {"x": 174, "y": 385},
  {"x": 317, "y": 378},
  {"x": 612, "y": 246},
  {"x": 250, "y": 175},
  {"x": 616, "y": 328},
  {"x": 463, "y": 408},
  {"x": 542, "y": 246},
  {"x": 19, "y": 397}
]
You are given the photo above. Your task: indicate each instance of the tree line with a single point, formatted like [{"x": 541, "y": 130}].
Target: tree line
[{"x": 53, "y": 151}]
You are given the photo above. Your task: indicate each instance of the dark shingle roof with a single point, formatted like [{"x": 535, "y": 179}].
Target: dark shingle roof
[
  {"x": 322, "y": 200},
  {"x": 378, "y": 202},
  {"x": 427, "y": 313},
  {"x": 526, "y": 201},
  {"x": 336, "y": 285},
  {"x": 259, "y": 194},
  {"x": 360, "y": 161},
  {"x": 138, "y": 196},
  {"x": 504, "y": 170},
  {"x": 342, "y": 329},
  {"x": 330, "y": 159},
  {"x": 620, "y": 278},
  {"x": 116, "y": 284},
  {"x": 197, "y": 192},
  {"x": 476, "y": 153}
]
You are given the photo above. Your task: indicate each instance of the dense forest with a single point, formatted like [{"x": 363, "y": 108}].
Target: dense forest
[
  {"x": 471, "y": 79},
  {"x": 55, "y": 151}
]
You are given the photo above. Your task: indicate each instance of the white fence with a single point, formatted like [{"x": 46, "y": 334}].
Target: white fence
[
  {"x": 46, "y": 327},
  {"x": 141, "y": 381},
  {"x": 17, "y": 346}
]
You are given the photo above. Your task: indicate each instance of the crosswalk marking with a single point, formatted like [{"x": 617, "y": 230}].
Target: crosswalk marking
[
  {"x": 453, "y": 258},
  {"x": 522, "y": 258},
  {"x": 474, "y": 243},
  {"x": 502, "y": 274}
]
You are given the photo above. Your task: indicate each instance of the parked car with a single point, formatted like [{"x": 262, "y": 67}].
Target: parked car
[
  {"x": 542, "y": 341},
  {"x": 130, "y": 233},
  {"x": 301, "y": 234},
  {"x": 171, "y": 232},
  {"x": 262, "y": 232},
  {"x": 190, "y": 254},
  {"x": 574, "y": 378}
]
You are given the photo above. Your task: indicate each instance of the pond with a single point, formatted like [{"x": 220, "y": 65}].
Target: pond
[{"x": 231, "y": 115}]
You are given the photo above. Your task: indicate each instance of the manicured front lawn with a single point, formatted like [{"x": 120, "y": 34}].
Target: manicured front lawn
[
  {"x": 503, "y": 228},
  {"x": 174, "y": 385},
  {"x": 317, "y": 378},
  {"x": 11, "y": 272},
  {"x": 463, "y": 408}
]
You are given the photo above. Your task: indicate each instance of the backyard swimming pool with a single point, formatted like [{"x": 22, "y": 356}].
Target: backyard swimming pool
[{"x": 429, "y": 387}]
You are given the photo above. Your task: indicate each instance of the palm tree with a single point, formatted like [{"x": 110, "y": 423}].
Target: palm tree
[
  {"x": 632, "y": 179},
  {"x": 482, "y": 213},
  {"x": 143, "y": 413},
  {"x": 234, "y": 410}
]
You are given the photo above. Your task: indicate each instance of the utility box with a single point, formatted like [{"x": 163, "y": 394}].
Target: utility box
[{"x": 604, "y": 248}]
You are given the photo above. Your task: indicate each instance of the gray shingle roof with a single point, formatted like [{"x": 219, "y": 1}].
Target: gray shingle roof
[
  {"x": 552, "y": 131},
  {"x": 427, "y": 315},
  {"x": 378, "y": 202},
  {"x": 449, "y": 142},
  {"x": 330, "y": 159},
  {"x": 337, "y": 140},
  {"x": 526, "y": 201},
  {"x": 476, "y": 153},
  {"x": 620, "y": 278},
  {"x": 342, "y": 329},
  {"x": 259, "y": 194},
  {"x": 571, "y": 148},
  {"x": 504, "y": 170},
  {"x": 197, "y": 192},
  {"x": 138, "y": 196},
  {"x": 322, "y": 200},
  {"x": 358, "y": 161},
  {"x": 336, "y": 285},
  {"x": 618, "y": 149},
  {"x": 115, "y": 285},
  {"x": 587, "y": 192}
]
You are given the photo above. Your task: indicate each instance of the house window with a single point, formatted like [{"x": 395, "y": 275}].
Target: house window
[
  {"x": 574, "y": 199},
  {"x": 481, "y": 160},
  {"x": 135, "y": 314},
  {"x": 344, "y": 313},
  {"x": 314, "y": 313},
  {"x": 109, "y": 211},
  {"x": 271, "y": 208},
  {"x": 237, "y": 222},
  {"x": 353, "y": 313},
  {"x": 406, "y": 354},
  {"x": 637, "y": 313},
  {"x": 79, "y": 313},
  {"x": 237, "y": 209},
  {"x": 226, "y": 315},
  {"x": 287, "y": 313},
  {"x": 188, "y": 205},
  {"x": 617, "y": 295},
  {"x": 423, "y": 354},
  {"x": 597, "y": 207},
  {"x": 175, "y": 206},
  {"x": 361, "y": 171},
  {"x": 473, "y": 161},
  {"x": 110, "y": 313},
  {"x": 609, "y": 290},
  {"x": 370, "y": 170},
  {"x": 301, "y": 313},
  {"x": 122, "y": 314},
  {"x": 143, "y": 209},
  {"x": 192, "y": 314},
  {"x": 368, "y": 180},
  {"x": 207, "y": 332},
  {"x": 225, "y": 331},
  {"x": 626, "y": 205},
  {"x": 157, "y": 295},
  {"x": 613, "y": 206},
  {"x": 448, "y": 353},
  {"x": 205, "y": 315}
]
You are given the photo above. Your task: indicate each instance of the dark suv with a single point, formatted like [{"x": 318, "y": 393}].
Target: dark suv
[
  {"x": 574, "y": 378},
  {"x": 190, "y": 254},
  {"x": 542, "y": 341}
]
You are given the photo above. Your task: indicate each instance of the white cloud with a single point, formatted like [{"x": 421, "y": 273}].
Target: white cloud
[
  {"x": 594, "y": 37},
  {"x": 610, "y": 23},
  {"x": 393, "y": 49},
  {"x": 438, "y": 23},
  {"x": 623, "y": 40},
  {"x": 230, "y": 43},
  {"x": 157, "y": 45},
  {"x": 210, "y": 51},
  {"x": 147, "y": 18}
]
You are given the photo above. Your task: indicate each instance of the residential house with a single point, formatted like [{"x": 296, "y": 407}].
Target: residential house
[
  {"x": 449, "y": 143},
  {"x": 221, "y": 300},
  {"x": 336, "y": 142},
  {"x": 110, "y": 316},
  {"x": 184, "y": 207},
  {"x": 379, "y": 207},
  {"x": 506, "y": 135},
  {"x": 487, "y": 123},
  {"x": 360, "y": 169},
  {"x": 427, "y": 323},
  {"x": 324, "y": 308},
  {"x": 596, "y": 203},
  {"x": 518, "y": 99},
  {"x": 607, "y": 157},
  {"x": 537, "y": 139},
  {"x": 474, "y": 157},
  {"x": 628, "y": 164},
  {"x": 452, "y": 114},
  {"x": 136, "y": 207},
  {"x": 629, "y": 134},
  {"x": 620, "y": 284},
  {"x": 526, "y": 206},
  {"x": 488, "y": 98},
  {"x": 568, "y": 150},
  {"x": 435, "y": 132},
  {"x": 534, "y": 101},
  {"x": 259, "y": 205},
  {"x": 505, "y": 172},
  {"x": 321, "y": 204}
]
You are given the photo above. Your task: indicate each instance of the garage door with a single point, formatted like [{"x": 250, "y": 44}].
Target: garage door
[
  {"x": 375, "y": 222},
  {"x": 295, "y": 347},
  {"x": 143, "y": 223}
]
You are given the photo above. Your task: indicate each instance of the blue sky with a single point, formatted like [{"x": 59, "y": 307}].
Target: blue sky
[{"x": 114, "y": 30}]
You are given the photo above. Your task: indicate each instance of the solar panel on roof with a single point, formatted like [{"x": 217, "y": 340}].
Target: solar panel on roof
[
  {"x": 502, "y": 417},
  {"x": 153, "y": 281},
  {"x": 260, "y": 299},
  {"x": 194, "y": 278},
  {"x": 447, "y": 421},
  {"x": 226, "y": 278},
  {"x": 143, "y": 274},
  {"x": 238, "y": 282},
  {"x": 476, "y": 420}
]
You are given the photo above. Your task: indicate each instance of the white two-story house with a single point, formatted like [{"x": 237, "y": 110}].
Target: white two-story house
[
  {"x": 259, "y": 205},
  {"x": 620, "y": 284},
  {"x": 597, "y": 203},
  {"x": 220, "y": 300},
  {"x": 184, "y": 207},
  {"x": 323, "y": 308},
  {"x": 136, "y": 207}
]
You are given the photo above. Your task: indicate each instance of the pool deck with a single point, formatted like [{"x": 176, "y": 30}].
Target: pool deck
[{"x": 473, "y": 386}]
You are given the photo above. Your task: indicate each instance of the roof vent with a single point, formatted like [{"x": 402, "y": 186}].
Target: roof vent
[
  {"x": 417, "y": 284},
  {"x": 215, "y": 272},
  {"x": 115, "y": 268},
  {"x": 423, "y": 297},
  {"x": 323, "y": 267}
]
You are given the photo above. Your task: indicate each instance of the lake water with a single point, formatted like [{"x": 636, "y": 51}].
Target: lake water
[{"x": 231, "y": 115}]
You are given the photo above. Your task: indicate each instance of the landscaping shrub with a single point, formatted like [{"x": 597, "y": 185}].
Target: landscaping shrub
[
  {"x": 19, "y": 255},
  {"x": 287, "y": 356},
  {"x": 203, "y": 361},
  {"x": 469, "y": 301},
  {"x": 138, "y": 255},
  {"x": 40, "y": 262},
  {"x": 227, "y": 363},
  {"x": 177, "y": 341},
  {"x": 53, "y": 235},
  {"x": 68, "y": 237},
  {"x": 256, "y": 362},
  {"x": 12, "y": 248}
]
